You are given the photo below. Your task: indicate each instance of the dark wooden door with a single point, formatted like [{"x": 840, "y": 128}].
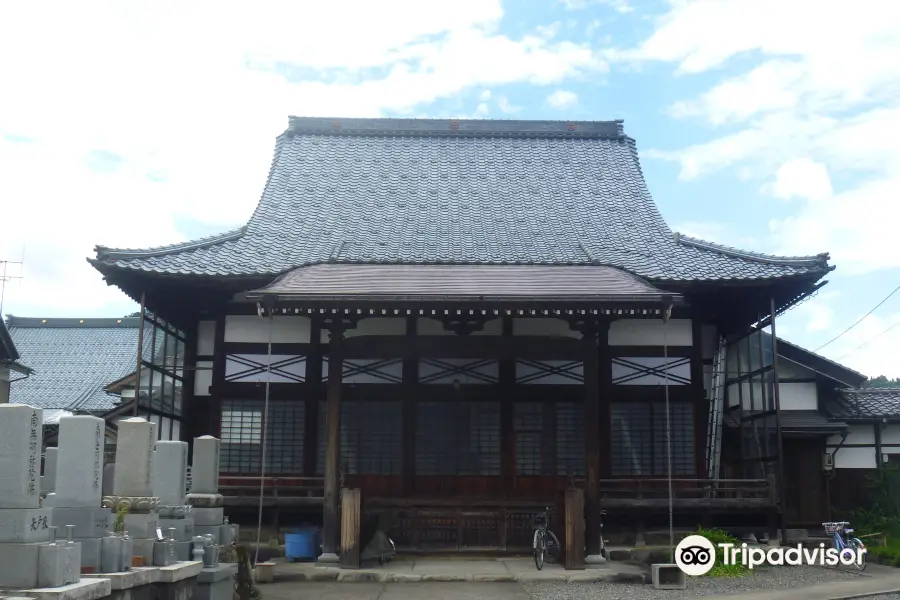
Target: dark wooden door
[{"x": 805, "y": 498}]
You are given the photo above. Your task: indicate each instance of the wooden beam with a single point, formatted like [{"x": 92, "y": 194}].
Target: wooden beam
[{"x": 453, "y": 346}]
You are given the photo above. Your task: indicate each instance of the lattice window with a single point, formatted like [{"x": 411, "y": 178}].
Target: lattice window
[
  {"x": 570, "y": 439},
  {"x": 242, "y": 423},
  {"x": 651, "y": 370},
  {"x": 528, "y": 423},
  {"x": 241, "y": 436},
  {"x": 639, "y": 439},
  {"x": 458, "y": 438},
  {"x": 285, "y": 431},
  {"x": 371, "y": 437}
]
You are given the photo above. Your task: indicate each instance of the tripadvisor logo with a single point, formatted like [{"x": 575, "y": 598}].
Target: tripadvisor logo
[{"x": 695, "y": 555}]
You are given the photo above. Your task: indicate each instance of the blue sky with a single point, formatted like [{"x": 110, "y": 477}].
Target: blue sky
[{"x": 770, "y": 125}]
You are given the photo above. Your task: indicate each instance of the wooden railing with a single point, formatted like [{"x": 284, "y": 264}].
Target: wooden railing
[
  {"x": 276, "y": 491},
  {"x": 686, "y": 493}
]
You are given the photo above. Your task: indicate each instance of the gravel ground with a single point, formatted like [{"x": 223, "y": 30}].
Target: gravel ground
[
  {"x": 881, "y": 597},
  {"x": 759, "y": 579}
]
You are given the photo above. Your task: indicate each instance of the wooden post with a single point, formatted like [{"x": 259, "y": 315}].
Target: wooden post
[
  {"x": 332, "y": 444},
  {"x": 410, "y": 377},
  {"x": 574, "y": 534},
  {"x": 351, "y": 507},
  {"x": 507, "y": 375},
  {"x": 592, "y": 437}
]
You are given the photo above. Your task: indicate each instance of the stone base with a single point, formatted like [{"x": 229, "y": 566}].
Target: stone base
[
  {"x": 216, "y": 583},
  {"x": 142, "y": 525},
  {"x": 594, "y": 560},
  {"x": 164, "y": 554},
  {"x": 184, "y": 528},
  {"x": 88, "y": 522},
  {"x": 208, "y": 516},
  {"x": 25, "y": 525},
  {"x": 667, "y": 577},
  {"x": 124, "y": 581},
  {"x": 183, "y": 551},
  {"x": 205, "y": 500},
  {"x": 86, "y": 589},
  {"x": 328, "y": 558},
  {"x": 24, "y": 566},
  {"x": 115, "y": 555},
  {"x": 143, "y": 548}
]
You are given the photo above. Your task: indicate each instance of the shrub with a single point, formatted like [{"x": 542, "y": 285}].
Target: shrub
[{"x": 718, "y": 536}]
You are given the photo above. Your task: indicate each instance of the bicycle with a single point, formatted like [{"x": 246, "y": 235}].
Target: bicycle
[
  {"x": 839, "y": 532},
  {"x": 545, "y": 541}
]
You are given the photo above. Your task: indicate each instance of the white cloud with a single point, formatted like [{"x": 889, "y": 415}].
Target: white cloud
[
  {"x": 562, "y": 99},
  {"x": 820, "y": 103},
  {"x": 802, "y": 178},
  {"x": 189, "y": 97},
  {"x": 620, "y": 6}
]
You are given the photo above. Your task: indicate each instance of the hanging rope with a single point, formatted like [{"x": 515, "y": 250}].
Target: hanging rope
[
  {"x": 265, "y": 422},
  {"x": 668, "y": 431}
]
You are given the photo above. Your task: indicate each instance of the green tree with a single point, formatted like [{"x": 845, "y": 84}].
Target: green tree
[{"x": 882, "y": 382}]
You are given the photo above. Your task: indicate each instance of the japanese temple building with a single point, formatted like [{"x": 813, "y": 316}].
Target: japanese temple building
[{"x": 470, "y": 316}]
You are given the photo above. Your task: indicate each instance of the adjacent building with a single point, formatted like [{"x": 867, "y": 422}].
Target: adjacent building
[{"x": 11, "y": 369}]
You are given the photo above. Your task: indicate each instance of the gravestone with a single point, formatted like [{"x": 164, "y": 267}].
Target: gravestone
[
  {"x": 169, "y": 483},
  {"x": 132, "y": 485},
  {"x": 207, "y": 504},
  {"x": 30, "y": 556},
  {"x": 48, "y": 480},
  {"x": 79, "y": 481}
]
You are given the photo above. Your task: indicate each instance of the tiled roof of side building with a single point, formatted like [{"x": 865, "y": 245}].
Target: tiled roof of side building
[
  {"x": 871, "y": 403},
  {"x": 73, "y": 360},
  {"x": 457, "y": 192}
]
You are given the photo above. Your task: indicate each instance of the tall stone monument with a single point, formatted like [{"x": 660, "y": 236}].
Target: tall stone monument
[
  {"x": 170, "y": 461},
  {"x": 132, "y": 485},
  {"x": 30, "y": 556},
  {"x": 79, "y": 486},
  {"x": 208, "y": 505}
]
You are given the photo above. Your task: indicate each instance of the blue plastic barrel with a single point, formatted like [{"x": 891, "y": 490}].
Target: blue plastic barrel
[{"x": 300, "y": 545}]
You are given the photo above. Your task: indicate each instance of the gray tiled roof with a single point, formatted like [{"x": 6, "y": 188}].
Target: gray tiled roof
[
  {"x": 461, "y": 192},
  {"x": 73, "y": 360},
  {"x": 874, "y": 403},
  {"x": 463, "y": 282}
]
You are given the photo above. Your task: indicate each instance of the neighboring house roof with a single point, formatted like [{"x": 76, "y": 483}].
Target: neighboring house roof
[
  {"x": 796, "y": 422},
  {"x": 74, "y": 360},
  {"x": 430, "y": 191},
  {"x": 837, "y": 372},
  {"x": 9, "y": 354},
  {"x": 871, "y": 403}
]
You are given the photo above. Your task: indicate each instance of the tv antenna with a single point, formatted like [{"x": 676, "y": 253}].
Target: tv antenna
[{"x": 6, "y": 277}]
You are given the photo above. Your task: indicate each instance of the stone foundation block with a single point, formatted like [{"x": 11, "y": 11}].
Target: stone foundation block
[
  {"x": 89, "y": 522},
  {"x": 91, "y": 554},
  {"x": 184, "y": 528},
  {"x": 24, "y": 525},
  {"x": 19, "y": 565},
  {"x": 59, "y": 565},
  {"x": 667, "y": 577},
  {"x": 209, "y": 516},
  {"x": 142, "y": 525}
]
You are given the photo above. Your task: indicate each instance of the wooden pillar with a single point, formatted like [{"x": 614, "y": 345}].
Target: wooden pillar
[
  {"x": 591, "y": 362},
  {"x": 351, "y": 519},
  {"x": 313, "y": 385},
  {"x": 605, "y": 392},
  {"x": 574, "y": 533},
  {"x": 507, "y": 379},
  {"x": 332, "y": 442},
  {"x": 701, "y": 406},
  {"x": 410, "y": 377}
]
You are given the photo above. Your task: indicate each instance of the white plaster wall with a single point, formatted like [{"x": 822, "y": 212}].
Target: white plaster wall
[
  {"x": 378, "y": 326},
  {"x": 206, "y": 338},
  {"x": 203, "y": 377},
  {"x": 890, "y": 435},
  {"x": 650, "y": 332},
  {"x": 854, "y": 458},
  {"x": 682, "y": 371},
  {"x": 797, "y": 396},
  {"x": 286, "y": 329},
  {"x": 570, "y": 372},
  {"x": 858, "y": 434},
  {"x": 543, "y": 326}
]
